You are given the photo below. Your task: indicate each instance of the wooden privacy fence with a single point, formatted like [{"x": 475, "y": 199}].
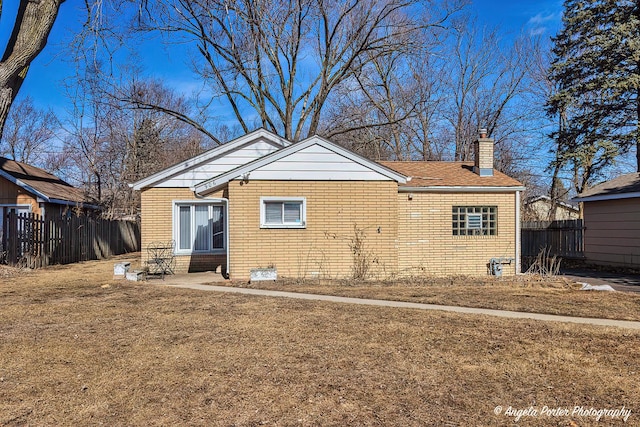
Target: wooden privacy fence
[
  {"x": 560, "y": 238},
  {"x": 29, "y": 240}
]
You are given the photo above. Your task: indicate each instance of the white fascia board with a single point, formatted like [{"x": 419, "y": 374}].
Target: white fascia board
[
  {"x": 24, "y": 186},
  {"x": 459, "y": 189},
  {"x": 238, "y": 172},
  {"x": 602, "y": 197},
  {"x": 230, "y": 146}
]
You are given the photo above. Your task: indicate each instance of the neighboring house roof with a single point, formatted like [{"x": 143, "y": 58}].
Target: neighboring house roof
[
  {"x": 545, "y": 198},
  {"x": 314, "y": 158},
  {"x": 192, "y": 164},
  {"x": 450, "y": 176},
  {"x": 40, "y": 183},
  {"x": 623, "y": 187}
]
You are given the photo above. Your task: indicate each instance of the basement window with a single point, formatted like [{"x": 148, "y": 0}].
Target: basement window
[
  {"x": 283, "y": 212},
  {"x": 474, "y": 220}
]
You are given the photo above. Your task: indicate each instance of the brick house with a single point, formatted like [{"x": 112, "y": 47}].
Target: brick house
[{"x": 305, "y": 208}]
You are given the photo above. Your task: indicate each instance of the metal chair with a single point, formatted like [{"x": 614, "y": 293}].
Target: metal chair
[{"x": 161, "y": 258}]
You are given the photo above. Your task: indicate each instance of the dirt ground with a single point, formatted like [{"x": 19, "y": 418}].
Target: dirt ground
[{"x": 79, "y": 348}]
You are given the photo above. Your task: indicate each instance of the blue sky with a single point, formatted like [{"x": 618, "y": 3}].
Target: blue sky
[{"x": 44, "y": 80}]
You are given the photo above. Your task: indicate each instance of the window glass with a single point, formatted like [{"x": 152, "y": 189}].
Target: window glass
[
  {"x": 474, "y": 220},
  {"x": 203, "y": 231},
  {"x": 218, "y": 227},
  {"x": 185, "y": 227},
  {"x": 285, "y": 213},
  {"x": 200, "y": 227},
  {"x": 292, "y": 213},
  {"x": 273, "y": 212}
]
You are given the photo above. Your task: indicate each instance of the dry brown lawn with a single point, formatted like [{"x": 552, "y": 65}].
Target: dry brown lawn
[
  {"x": 78, "y": 348},
  {"x": 555, "y": 295}
]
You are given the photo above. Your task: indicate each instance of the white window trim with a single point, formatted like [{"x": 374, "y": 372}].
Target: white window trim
[
  {"x": 175, "y": 226},
  {"x": 303, "y": 219},
  {"x": 19, "y": 206}
]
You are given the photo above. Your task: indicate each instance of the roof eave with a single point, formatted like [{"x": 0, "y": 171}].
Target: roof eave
[
  {"x": 74, "y": 203},
  {"x": 23, "y": 185},
  {"x": 602, "y": 197},
  {"x": 460, "y": 189},
  {"x": 197, "y": 160},
  {"x": 240, "y": 171}
]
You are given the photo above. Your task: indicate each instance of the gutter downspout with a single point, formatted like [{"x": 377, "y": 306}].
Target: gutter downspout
[
  {"x": 518, "y": 238},
  {"x": 226, "y": 222}
]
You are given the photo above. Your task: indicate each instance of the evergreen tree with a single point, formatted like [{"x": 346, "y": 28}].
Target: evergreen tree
[{"x": 597, "y": 76}]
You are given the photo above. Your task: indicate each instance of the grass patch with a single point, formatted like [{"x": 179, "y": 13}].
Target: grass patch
[
  {"x": 78, "y": 348},
  {"x": 533, "y": 294}
]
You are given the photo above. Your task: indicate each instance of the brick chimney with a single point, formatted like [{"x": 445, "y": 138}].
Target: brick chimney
[{"x": 483, "y": 149}]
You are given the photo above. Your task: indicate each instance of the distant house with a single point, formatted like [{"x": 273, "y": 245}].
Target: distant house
[
  {"x": 542, "y": 208},
  {"x": 611, "y": 213},
  {"x": 316, "y": 209},
  {"x": 28, "y": 189}
]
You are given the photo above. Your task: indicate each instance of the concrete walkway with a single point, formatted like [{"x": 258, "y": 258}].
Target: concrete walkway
[{"x": 384, "y": 303}]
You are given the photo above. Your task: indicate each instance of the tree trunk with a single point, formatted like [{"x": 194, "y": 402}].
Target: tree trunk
[{"x": 33, "y": 24}]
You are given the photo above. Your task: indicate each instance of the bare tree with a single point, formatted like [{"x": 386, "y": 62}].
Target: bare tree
[
  {"x": 112, "y": 142},
  {"x": 31, "y": 29},
  {"x": 276, "y": 63},
  {"x": 28, "y": 133},
  {"x": 389, "y": 110}
]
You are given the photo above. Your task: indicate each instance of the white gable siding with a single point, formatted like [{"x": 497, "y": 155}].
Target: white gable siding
[
  {"x": 316, "y": 163},
  {"x": 218, "y": 165}
]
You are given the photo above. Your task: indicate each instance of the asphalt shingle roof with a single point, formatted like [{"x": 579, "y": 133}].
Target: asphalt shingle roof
[
  {"x": 42, "y": 181},
  {"x": 448, "y": 174},
  {"x": 629, "y": 183}
]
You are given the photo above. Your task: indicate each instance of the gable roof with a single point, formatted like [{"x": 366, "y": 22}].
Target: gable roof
[
  {"x": 269, "y": 159},
  {"x": 623, "y": 187},
  {"x": 40, "y": 183},
  {"x": 210, "y": 155},
  {"x": 450, "y": 176}
]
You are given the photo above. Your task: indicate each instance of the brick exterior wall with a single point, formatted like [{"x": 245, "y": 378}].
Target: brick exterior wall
[
  {"x": 426, "y": 244},
  {"x": 415, "y": 235},
  {"x": 156, "y": 226},
  {"x": 321, "y": 249}
]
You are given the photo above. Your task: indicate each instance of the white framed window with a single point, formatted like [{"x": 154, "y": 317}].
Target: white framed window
[
  {"x": 283, "y": 212},
  {"x": 198, "y": 227}
]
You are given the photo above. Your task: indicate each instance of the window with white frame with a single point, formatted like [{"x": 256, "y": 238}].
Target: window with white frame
[
  {"x": 198, "y": 227},
  {"x": 475, "y": 220},
  {"x": 283, "y": 212}
]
